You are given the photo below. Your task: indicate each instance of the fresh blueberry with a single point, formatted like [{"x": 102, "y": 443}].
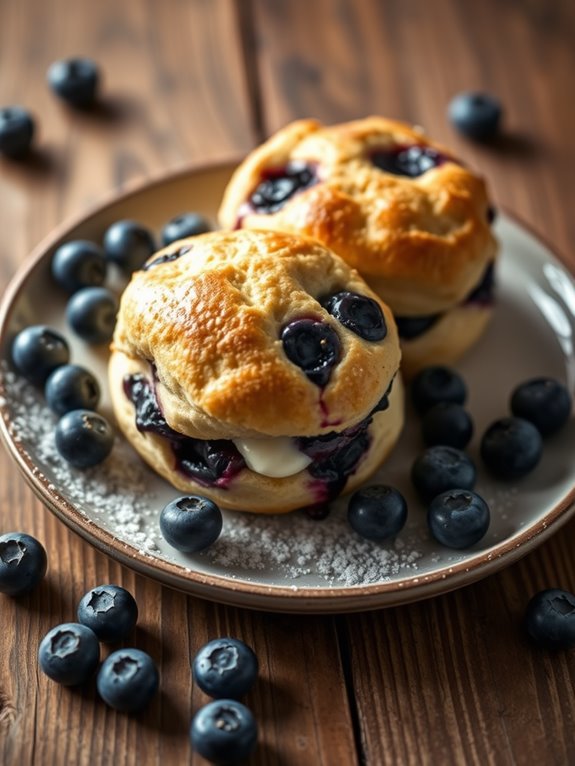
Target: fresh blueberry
[
  {"x": 544, "y": 402},
  {"x": 127, "y": 680},
  {"x": 441, "y": 468},
  {"x": 360, "y": 314},
  {"x": 411, "y": 161},
  {"x": 75, "y": 81},
  {"x": 476, "y": 115},
  {"x": 511, "y": 448},
  {"x": 458, "y": 518},
  {"x": 71, "y": 387},
  {"x": 191, "y": 524},
  {"x": 23, "y": 563},
  {"x": 91, "y": 313},
  {"x": 37, "y": 351},
  {"x": 184, "y": 225},
  {"x": 313, "y": 346},
  {"x": 550, "y": 619},
  {"x": 280, "y": 184},
  {"x": 225, "y": 667},
  {"x": 447, "y": 423},
  {"x": 79, "y": 264},
  {"x": 377, "y": 512},
  {"x": 224, "y": 732},
  {"x": 128, "y": 244},
  {"x": 69, "y": 654},
  {"x": 437, "y": 384},
  {"x": 84, "y": 438},
  {"x": 110, "y": 611},
  {"x": 16, "y": 132}
]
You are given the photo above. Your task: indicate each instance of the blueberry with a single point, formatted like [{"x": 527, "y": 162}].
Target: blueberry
[
  {"x": 279, "y": 185},
  {"x": 23, "y": 563},
  {"x": 437, "y": 384},
  {"x": 37, "y": 351},
  {"x": 190, "y": 524},
  {"x": 128, "y": 244},
  {"x": 544, "y": 402},
  {"x": 447, "y": 423},
  {"x": 110, "y": 611},
  {"x": 91, "y": 313},
  {"x": 69, "y": 654},
  {"x": 84, "y": 438},
  {"x": 476, "y": 115},
  {"x": 185, "y": 225},
  {"x": 411, "y": 161},
  {"x": 511, "y": 448},
  {"x": 225, "y": 667},
  {"x": 360, "y": 314},
  {"x": 224, "y": 732},
  {"x": 412, "y": 327},
  {"x": 458, "y": 518},
  {"x": 377, "y": 512},
  {"x": 441, "y": 468},
  {"x": 16, "y": 132},
  {"x": 79, "y": 264},
  {"x": 313, "y": 346},
  {"x": 75, "y": 81},
  {"x": 127, "y": 680},
  {"x": 550, "y": 619},
  {"x": 71, "y": 387}
]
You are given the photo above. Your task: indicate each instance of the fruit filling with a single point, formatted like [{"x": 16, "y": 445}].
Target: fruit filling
[
  {"x": 278, "y": 185},
  {"x": 412, "y": 160}
]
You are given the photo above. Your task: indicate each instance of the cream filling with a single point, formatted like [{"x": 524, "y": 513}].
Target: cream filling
[{"x": 277, "y": 457}]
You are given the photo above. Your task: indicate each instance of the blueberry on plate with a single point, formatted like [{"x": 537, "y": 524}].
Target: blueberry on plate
[
  {"x": 75, "y": 81},
  {"x": 128, "y": 244},
  {"x": 458, "y": 518},
  {"x": 550, "y": 619},
  {"x": 224, "y": 732},
  {"x": 312, "y": 346},
  {"x": 110, "y": 611},
  {"x": 91, "y": 313},
  {"x": 17, "y": 129},
  {"x": 78, "y": 264},
  {"x": 71, "y": 387},
  {"x": 225, "y": 668},
  {"x": 437, "y": 384},
  {"x": 377, "y": 512},
  {"x": 544, "y": 402},
  {"x": 84, "y": 438},
  {"x": 360, "y": 314},
  {"x": 37, "y": 351},
  {"x": 447, "y": 423},
  {"x": 441, "y": 468},
  {"x": 23, "y": 563},
  {"x": 69, "y": 654},
  {"x": 511, "y": 448},
  {"x": 127, "y": 680},
  {"x": 476, "y": 115},
  {"x": 184, "y": 225},
  {"x": 191, "y": 523}
]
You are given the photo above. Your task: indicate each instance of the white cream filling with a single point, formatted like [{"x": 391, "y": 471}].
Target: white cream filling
[{"x": 276, "y": 457}]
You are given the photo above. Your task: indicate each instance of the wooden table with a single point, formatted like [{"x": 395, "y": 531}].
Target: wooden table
[{"x": 446, "y": 681}]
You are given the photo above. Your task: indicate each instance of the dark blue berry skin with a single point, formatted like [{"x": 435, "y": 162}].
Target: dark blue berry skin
[
  {"x": 511, "y": 448},
  {"x": 37, "y": 351},
  {"x": 313, "y": 346},
  {"x": 185, "y": 225},
  {"x": 69, "y": 654},
  {"x": 75, "y": 81},
  {"x": 191, "y": 524},
  {"x": 79, "y": 264},
  {"x": 411, "y": 161},
  {"x": 91, "y": 313},
  {"x": 129, "y": 245},
  {"x": 447, "y": 423},
  {"x": 110, "y": 611},
  {"x": 441, "y": 468},
  {"x": 17, "y": 130},
  {"x": 224, "y": 732},
  {"x": 84, "y": 438},
  {"x": 377, "y": 512},
  {"x": 127, "y": 680},
  {"x": 550, "y": 619},
  {"x": 71, "y": 387},
  {"x": 437, "y": 384},
  {"x": 458, "y": 518},
  {"x": 544, "y": 402},
  {"x": 225, "y": 668},
  {"x": 360, "y": 314},
  {"x": 23, "y": 563},
  {"x": 281, "y": 184},
  {"x": 476, "y": 115}
]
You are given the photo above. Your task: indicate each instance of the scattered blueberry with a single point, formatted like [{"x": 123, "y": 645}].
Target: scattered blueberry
[
  {"x": 280, "y": 184},
  {"x": 225, "y": 667},
  {"x": 110, "y": 611},
  {"x": 550, "y": 619},
  {"x": 37, "y": 351},
  {"x": 16, "y": 132},
  {"x": 441, "y": 468},
  {"x": 360, "y": 314},
  {"x": 511, "y": 448},
  {"x": 127, "y": 680},
  {"x": 313, "y": 346},
  {"x": 377, "y": 512},
  {"x": 71, "y": 387},
  {"x": 128, "y": 244},
  {"x": 411, "y": 161},
  {"x": 79, "y": 264},
  {"x": 224, "y": 732},
  {"x": 458, "y": 518},
  {"x": 544, "y": 402},
  {"x": 75, "y": 81},
  {"x": 69, "y": 654},
  {"x": 191, "y": 524},
  {"x": 447, "y": 423},
  {"x": 437, "y": 384},
  {"x": 84, "y": 438},
  {"x": 185, "y": 225},
  {"x": 91, "y": 313},
  {"x": 23, "y": 563},
  {"x": 476, "y": 115}
]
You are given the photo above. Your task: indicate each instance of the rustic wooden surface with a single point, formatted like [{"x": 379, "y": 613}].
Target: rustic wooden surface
[{"x": 448, "y": 681}]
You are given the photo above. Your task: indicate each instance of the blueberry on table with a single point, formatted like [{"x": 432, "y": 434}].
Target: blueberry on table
[
  {"x": 458, "y": 518},
  {"x": 191, "y": 523},
  {"x": 78, "y": 264},
  {"x": 84, "y": 438},
  {"x": 17, "y": 130},
  {"x": 360, "y": 314},
  {"x": 441, "y": 468},
  {"x": 71, "y": 387},
  {"x": 128, "y": 244},
  {"x": 476, "y": 115},
  {"x": 511, "y": 448},
  {"x": 69, "y": 654},
  {"x": 377, "y": 512},
  {"x": 437, "y": 384},
  {"x": 448, "y": 424},
  {"x": 312, "y": 346},
  {"x": 23, "y": 563},
  {"x": 75, "y": 81},
  {"x": 224, "y": 732},
  {"x": 544, "y": 402},
  {"x": 110, "y": 611},
  {"x": 37, "y": 351},
  {"x": 127, "y": 680},
  {"x": 91, "y": 313},
  {"x": 550, "y": 619},
  {"x": 225, "y": 668},
  {"x": 184, "y": 225}
]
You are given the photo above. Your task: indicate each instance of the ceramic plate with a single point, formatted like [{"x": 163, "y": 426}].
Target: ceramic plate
[{"x": 294, "y": 563}]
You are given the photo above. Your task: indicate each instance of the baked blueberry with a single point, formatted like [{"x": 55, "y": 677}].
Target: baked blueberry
[
  {"x": 128, "y": 244},
  {"x": 17, "y": 130},
  {"x": 23, "y": 563},
  {"x": 360, "y": 314},
  {"x": 191, "y": 524},
  {"x": 458, "y": 518},
  {"x": 447, "y": 423},
  {"x": 441, "y": 468},
  {"x": 127, "y": 680},
  {"x": 313, "y": 346},
  {"x": 550, "y": 619},
  {"x": 37, "y": 351},
  {"x": 511, "y": 448},
  {"x": 78, "y": 264},
  {"x": 437, "y": 384},
  {"x": 84, "y": 438},
  {"x": 69, "y": 654},
  {"x": 279, "y": 185},
  {"x": 476, "y": 115},
  {"x": 71, "y": 387},
  {"x": 411, "y": 161},
  {"x": 225, "y": 668},
  {"x": 91, "y": 313},
  {"x": 75, "y": 81},
  {"x": 377, "y": 512},
  {"x": 412, "y": 327},
  {"x": 224, "y": 732},
  {"x": 184, "y": 225},
  {"x": 110, "y": 611},
  {"x": 544, "y": 402}
]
